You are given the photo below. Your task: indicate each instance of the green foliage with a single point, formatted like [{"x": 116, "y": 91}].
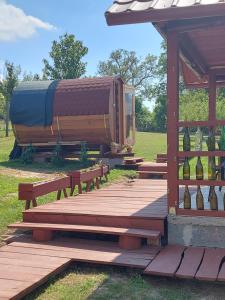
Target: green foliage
[
  {"x": 83, "y": 153},
  {"x": 27, "y": 156},
  {"x": 6, "y": 88},
  {"x": 57, "y": 157},
  {"x": 66, "y": 55},
  {"x": 134, "y": 70},
  {"x": 142, "y": 115},
  {"x": 31, "y": 77},
  {"x": 2, "y": 106}
]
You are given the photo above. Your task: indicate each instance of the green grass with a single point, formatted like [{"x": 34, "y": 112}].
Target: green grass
[
  {"x": 83, "y": 282},
  {"x": 148, "y": 145}
]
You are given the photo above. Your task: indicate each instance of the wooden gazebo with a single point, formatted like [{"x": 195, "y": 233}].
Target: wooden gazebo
[{"x": 195, "y": 35}]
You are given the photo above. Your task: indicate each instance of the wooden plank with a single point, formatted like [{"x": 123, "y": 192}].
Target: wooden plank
[
  {"x": 84, "y": 228},
  {"x": 190, "y": 263},
  {"x": 209, "y": 268},
  {"x": 221, "y": 275},
  {"x": 172, "y": 117},
  {"x": 83, "y": 250},
  {"x": 166, "y": 262}
]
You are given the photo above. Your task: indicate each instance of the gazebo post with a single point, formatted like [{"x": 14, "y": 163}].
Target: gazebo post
[
  {"x": 212, "y": 96},
  {"x": 172, "y": 118}
]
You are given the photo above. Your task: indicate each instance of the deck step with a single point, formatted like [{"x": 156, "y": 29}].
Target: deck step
[
  {"x": 151, "y": 166},
  {"x": 143, "y": 233},
  {"x": 133, "y": 160},
  {"x": 152, "y": 174}
]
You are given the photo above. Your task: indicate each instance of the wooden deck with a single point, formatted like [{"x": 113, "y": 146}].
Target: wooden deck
[
  {"x": 138, "y": 204},
  {"x": 25, "y": 264},
  {"x": 134, "y": 209}
]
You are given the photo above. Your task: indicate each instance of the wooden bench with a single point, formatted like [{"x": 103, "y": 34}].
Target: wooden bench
[
  {"x": 129, "y": 238},
  {"x": 30, "y": 191}
]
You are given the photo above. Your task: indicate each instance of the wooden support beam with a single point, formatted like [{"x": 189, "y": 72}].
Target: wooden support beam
[
  {"x": 212, "y": 96},
  {"x": 172, "y": 118}
]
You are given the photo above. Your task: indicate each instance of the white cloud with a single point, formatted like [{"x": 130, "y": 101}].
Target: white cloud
[{"x": 15, "y": 24}]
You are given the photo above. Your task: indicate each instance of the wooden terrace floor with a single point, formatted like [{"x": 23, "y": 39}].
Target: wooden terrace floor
[{"x": 137, "y": 204}]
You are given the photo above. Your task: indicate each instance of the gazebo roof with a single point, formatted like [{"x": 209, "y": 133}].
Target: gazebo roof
[{"x": 201, "y": 24}]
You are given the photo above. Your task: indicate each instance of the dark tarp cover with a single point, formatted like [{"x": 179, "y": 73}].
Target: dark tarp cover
[{"x": 32, "y": 103}]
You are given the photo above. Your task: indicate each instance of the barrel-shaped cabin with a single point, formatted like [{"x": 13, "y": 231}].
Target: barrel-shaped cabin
[{"x": 99, "y": 111}]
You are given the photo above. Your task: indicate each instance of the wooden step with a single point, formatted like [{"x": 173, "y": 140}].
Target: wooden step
[
  {"x": 162, "y": 155},
  {"x": 129, "y": 238},
  {"x": 151, "y": 166},
  {"x": 153, "y": 223},
  {"x": 144, "y": 233},
  {"x": 133, "y": 160},
  {"x": 152, "y": 174},
  {"x": 161, "y": 160}
]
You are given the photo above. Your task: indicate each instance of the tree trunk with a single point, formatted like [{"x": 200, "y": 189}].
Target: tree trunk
[{"x": 7, "y": 120}]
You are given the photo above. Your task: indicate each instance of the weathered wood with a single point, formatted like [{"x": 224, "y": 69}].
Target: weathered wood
[
  {"x": 143, "y": 233},
  {"x": 41, "y": 235},
  {"x": 172, "y": 117},
  {"x": 167, "y": 261},
  {"x": 190, "y": 263},
  {"x": 209, "y": 268},
  {"x": 129, "y": 242}
]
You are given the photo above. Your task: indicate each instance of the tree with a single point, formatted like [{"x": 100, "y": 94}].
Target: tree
[
  {"x": 31, "y": 77},
  {"x": 6, "y": 88},
  {"x": 2, "y": 106},
  {"x": 142, "y": 115},
  {"x": 158, "y": 92},
  {"x": 133, "y": 70},
  {"x": 66, "y": 55}
]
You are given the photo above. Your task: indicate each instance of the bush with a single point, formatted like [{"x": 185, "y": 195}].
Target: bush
[
  {"x": 27, "y": 156},
  {"x": 57, "y": 157},
  {"x": 83, "y": 153}
]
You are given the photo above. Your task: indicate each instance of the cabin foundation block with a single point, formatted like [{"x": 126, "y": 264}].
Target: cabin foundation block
[
  {"x": 196, "y": 231},
  {"x": 40, "y": 235},
  {"x": 129, "y": 242}
]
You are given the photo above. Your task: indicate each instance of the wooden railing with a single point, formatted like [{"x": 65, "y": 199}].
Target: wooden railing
[{"x": 29, "y": 192}]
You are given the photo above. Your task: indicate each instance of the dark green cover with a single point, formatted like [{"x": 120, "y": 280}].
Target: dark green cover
[{"x": 32, "y": 103}]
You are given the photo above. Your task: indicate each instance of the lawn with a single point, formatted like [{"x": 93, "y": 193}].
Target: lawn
[{"x": 82, "y": 281}]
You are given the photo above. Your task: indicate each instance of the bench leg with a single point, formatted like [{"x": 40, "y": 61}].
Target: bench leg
[
  {"x": 72, "y": 190},
  {"x": 59, "y": 193},
  {"x": 40, "y": 235},
  {"x": 27, "y": 205},
  {"x": 65, "y": 193},
  {"x": 106, "y": 177},
  {"x": 88, "y": 186},
  {"x": 80, "y": 188},
  {"x": 129, "y": 242},
  {"x": 34, "y": 202},
  {"x": 97, "y": 183}
]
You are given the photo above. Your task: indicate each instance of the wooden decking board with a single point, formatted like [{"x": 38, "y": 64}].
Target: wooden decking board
[
  {"x": 130, "y": 200},
  {"x": 166, "y": 262},
  {"x": 25, "y": 264},
  {"x": 94, "y": 229},
  {"x": 190, "y": 263},
  {"x": 209, "y": 268},
  {"x": 221, "y": 275}
]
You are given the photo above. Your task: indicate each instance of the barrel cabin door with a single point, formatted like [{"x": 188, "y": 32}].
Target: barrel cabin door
[{"x": 129, "y": 115}]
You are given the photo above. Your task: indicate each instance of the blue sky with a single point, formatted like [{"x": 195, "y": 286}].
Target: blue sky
[{"x": 26, "y": 38}]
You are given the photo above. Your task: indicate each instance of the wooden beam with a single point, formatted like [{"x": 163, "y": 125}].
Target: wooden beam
[
  {"x": 191, "y": 53},
  {"x": 212, "y": 96},
  {"x": 172, "y": 118},
  {"x": 195, "y": 25}
]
